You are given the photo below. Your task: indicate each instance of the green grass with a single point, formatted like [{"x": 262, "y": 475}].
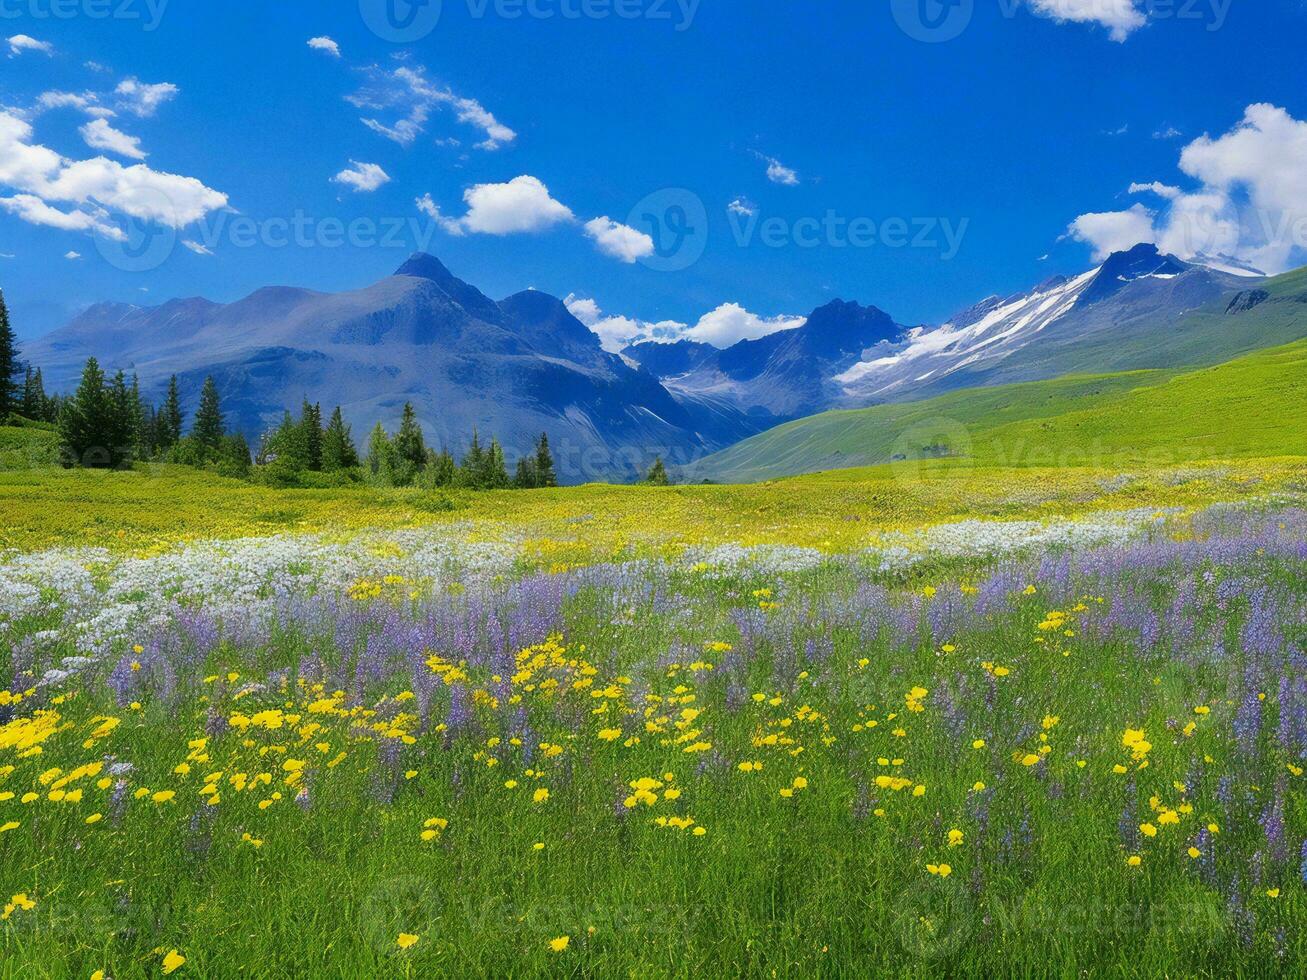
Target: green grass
[
  {"x": 1252, "y": 406},
  {"x": 831, "y": 881}
]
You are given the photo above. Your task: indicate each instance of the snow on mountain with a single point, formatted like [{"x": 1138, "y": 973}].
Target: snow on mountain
[{"x": 928, "y": 353}]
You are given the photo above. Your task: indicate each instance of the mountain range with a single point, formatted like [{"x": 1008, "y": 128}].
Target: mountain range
[{"x": 525, "y": 365}]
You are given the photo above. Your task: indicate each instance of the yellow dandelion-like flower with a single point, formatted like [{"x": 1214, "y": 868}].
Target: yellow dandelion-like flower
[
  {"x": 407, "y": 940},
  {"x": 172, "y": 962},
  {"x": 560, "y": 943}
]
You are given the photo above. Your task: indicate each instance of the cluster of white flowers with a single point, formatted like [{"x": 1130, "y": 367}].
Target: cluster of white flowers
[
  {"x": 981, "y": 539},
  {"x": 101, "y": 599},
  {"x": 764, "y": 559}
]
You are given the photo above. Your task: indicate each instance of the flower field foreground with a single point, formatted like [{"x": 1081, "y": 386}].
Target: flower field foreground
[{"x": 1004, "y": 746}]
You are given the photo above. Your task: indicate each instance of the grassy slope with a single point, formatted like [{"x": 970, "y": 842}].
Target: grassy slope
[{"x": 1252, "y": 406}]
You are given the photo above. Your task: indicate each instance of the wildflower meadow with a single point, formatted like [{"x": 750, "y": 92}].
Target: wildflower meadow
[{"x": 1040, "y": 743}]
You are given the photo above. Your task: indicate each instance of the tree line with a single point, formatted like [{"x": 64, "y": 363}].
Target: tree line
[{"x": 107, "y": 423}]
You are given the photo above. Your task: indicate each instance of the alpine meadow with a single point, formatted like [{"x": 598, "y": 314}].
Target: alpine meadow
[{"x": 681, "y": 613}]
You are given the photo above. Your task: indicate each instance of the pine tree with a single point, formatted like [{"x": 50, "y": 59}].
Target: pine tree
[
  {"x": 410, "y": 447},
  {"x": 381, "y": 456},
  {"x": 9, "y": 393},
  {"x": 472, "y": 470},
  {"x": 443, "y": 470},
  {"x": 311, "y": 424},
  {"x": 544, "y": 463},
  {"x": 208, "y": 429},
  {"x": 657, "y": 476},
  {"x": 83, "y": 421},
  {"x": 526, "y": 477},
  {"x": 496, "y": 476},
  {"x": 338, "y": 451},
  {"x": 33, "y": 402},
  {"x": 121, "y": 422},
  {"x": 170, "y": 417},
  {"x": 142, "y": 423}
]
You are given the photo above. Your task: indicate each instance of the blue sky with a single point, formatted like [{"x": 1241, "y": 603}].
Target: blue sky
[{"x": 963, "y": 162}]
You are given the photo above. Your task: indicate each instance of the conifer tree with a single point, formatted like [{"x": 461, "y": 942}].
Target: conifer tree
[
  {"x": 234, "y": 456},
  {"x": 121, "y": 421},
  {"x": 544, "y": 463},
  {"x": 9, "y": 393},
  {"x": 410, "y": 447},
  {"x": 33, "y": 404},
  {"x": 170, "y": 417},
  {"x": 657, "y": 476},
  {"x": 338, "y": 451},
  {"x": 311, "y": 423},
  {"x": 525, "y": 478},
  {"x": 208, "y": 429},
  {"x": 381, "y": 456},
  {"x": 472, "y": 469},
  {"x": 82, "y": 421},
  {"x": 496, "y": 474},
  {"x": 443, "y": 469}
]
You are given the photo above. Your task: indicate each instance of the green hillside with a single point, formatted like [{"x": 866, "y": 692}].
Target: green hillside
[
  {"x": 1253, "y": 406},
  {"x": 27, "y": 444}
]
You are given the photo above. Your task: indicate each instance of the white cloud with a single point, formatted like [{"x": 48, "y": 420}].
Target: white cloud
[
  {"x": 778, "y": 173},
  {"x": 40, "y": 175},
  {"x": 87, "y": 102},
  {"x": 72, "y": 256},
  {"x": 143, "y": 99},
  {"x": 99, "y": 135},
  {"x": 1158, "y": 188},
  {"x": 521, "y": 205},
  {"x": 6, "y": 255},
  {"x": 325, "y": 44},
  {"x": 363, "y": 177},
  {"x": 618, "y": 332},
  {"x": 431, "y": 209},
  {"x": 1167, "y": 133},
  {"x": 743, "y": 207},
  {"x": 726, "y": 325},
  {"x": 1113, "y": 231},
  {"x": 196, "y": 247},
  {"x": 409, "y": 91},
  {"x": 23, "y": 42},
  {"x": 30, "y": 208},
  {"x": 730, "y": 323},
  {"x": 620, "y": 241},
  {"x": 1121, "y": 17},
  {"x": 1249, "y": 202}
]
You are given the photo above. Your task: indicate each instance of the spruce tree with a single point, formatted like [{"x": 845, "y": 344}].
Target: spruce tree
[
  {"x": 410, "y": 447},
  {"x": 444, "y": 471},
  {"x": 33, "y": 401},
  {"x": 9, "y": 393},
  {"x": 472, "y": 470},
  {"x": 544, "y": 463},
  {"x": 525, "y": 478},
  {"x": 496, "y": 477},
  {"x": 234, "y": 456},
  {"x": 381, "y": 456},
  {"x": 311, "y": 423},
  {"x": 208, "y": 429},
  {"x": 338, "y": 451},
  {"x": 83, "y": 421},
  {"x": 170, "y": 417},
  {"x": 121, "y": 422}
]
